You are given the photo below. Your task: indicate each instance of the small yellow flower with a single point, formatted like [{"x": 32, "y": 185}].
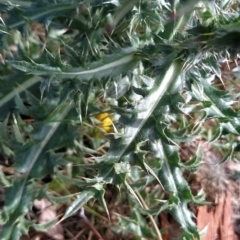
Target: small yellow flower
[{"x": 106, "y": 123}]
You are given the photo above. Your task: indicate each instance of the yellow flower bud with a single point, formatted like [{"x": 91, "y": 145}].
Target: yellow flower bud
[{"x": 106, "y": 125}]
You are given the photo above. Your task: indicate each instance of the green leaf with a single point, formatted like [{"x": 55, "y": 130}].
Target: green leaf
[
  {"x": 143, "y": 111},
  {"x": 45, "y": 135},
  {"x": 100, "y": 197},
  {"x": 44, "y": 12},
  {"x": 173, "y": 181},
  {"x": 19, "y": 197},
  {"x": 111, "y": 65},
  {"x": 229, "y": 154},
  {"x": 81, "y": 199}
]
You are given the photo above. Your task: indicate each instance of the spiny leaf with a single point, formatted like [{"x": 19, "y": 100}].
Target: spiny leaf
[
  {"x": 173, "y": 181},
  {"x": 81, "y": 199},
  {"x": 44, "y": 12},
  {"x": 112, "y": 65},
  {"x": 143, "y": 111}
]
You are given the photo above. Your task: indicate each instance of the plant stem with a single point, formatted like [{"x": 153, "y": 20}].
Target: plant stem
[
  {"x": 95, "y": 231},
  {"x": 150, "y": 217}
]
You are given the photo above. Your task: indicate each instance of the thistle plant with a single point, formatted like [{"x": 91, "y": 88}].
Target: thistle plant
[{"x": 151, "y": 66}]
